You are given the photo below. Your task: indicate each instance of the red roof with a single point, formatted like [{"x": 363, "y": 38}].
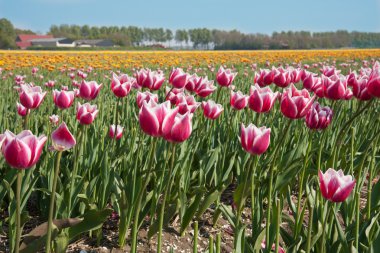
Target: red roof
[{"x": 23, "y": 40}]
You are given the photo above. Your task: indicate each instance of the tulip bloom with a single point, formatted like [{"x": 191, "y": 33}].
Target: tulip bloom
[
  {"x": 178, "y": 128},
  {"x": 335, "y": 186},
  {"x": 116, "y": 132},
  {"x": 374, "y": 81},
  {"x": 178, "y": 78},
  {"x": 224, "y": 77},
  {"x": 187, "y": 104},
  {"x": 255, "y": 140},
  {"x": 360, "y": 87},
  {"x": 211, "y": 110},
  {"x": 21, "y": 151},
  {"x": 296, "y": 103},
  {"x": 145, "y": 96},
  {"x": 54, "y": 119},
  {"x": 282, "y": 78},
  {"x": 238, "y": 100},
  {"x": 86, "y": 113},
  {"x": 50, "y": 83},
  {"x": 89, "y": 90},
  {"x": 152, "y": 115},
  {"x": 21, "y": 110},
  {"x": 318, "y": 117},
  {"x": 149, "y": 79},
  {"x": 261, "y": 99},
  {"x": 31, "y": 97},
  {"x": 63, "y": 99},
  {"x": 62, "y": 138},
  {"x": 264, "y": 77},
  {"x": 205, "y": 87},
  {"x": 121, "y": 85},
  {"x": 335, "y": 87},
  {"x": 192, "y": 83}
]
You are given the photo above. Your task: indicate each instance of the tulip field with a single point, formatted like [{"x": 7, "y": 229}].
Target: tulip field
[{"x": 237, "y": 151}]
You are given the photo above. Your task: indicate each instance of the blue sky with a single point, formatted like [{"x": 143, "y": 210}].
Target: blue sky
[{"x": 244, "y": 15}]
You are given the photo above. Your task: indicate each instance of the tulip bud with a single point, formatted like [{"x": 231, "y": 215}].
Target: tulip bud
[
  {"x": 21, "y": 110},
  {"x": 63, "y": 99},
  {"x": 62, "y": 138},
  {"x": 21, "y": 151},
  {"x": 89, "y": 90},
  {"x": 224, "y": 77},
  {"x": 238, "y": 100},
  {"x": 335, "y": 186},
  {"x": 86, "y": 113},
  {"x": 255, "y": 140},
  {"x": 116, "y": 132},
  {"x": 261, "y": 99},
  {"x": 211, "y": 110},
  {"x": 318, "y": 117}
]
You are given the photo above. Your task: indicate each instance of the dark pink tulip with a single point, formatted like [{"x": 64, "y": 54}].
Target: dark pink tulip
[
  {"x": 295, "y": 103},
  {"x": 238, "y": 100},
  {"x": 329, "y": 71},
  {"x": 54, "y": 119},
  {"x": 211, "y": 110},
  {"x": 174, "y": 95},
  {"x": 116, "y": 132},
  {"x": 205, "y": 87},
  {"x": 19, "y": 79},
  {"x": 178, "y": 78},
  {"x": 187, "y": 104},
  {"x": 62, "y": 138},
  {"x": 121, "y": 85},
  {"x": 152, "y": 80},
  {"x": 152, "y": 115},
  {"x": 360, "y": 88},
  {"x": 318, "y": 117},
  {"x": 21, "y": 151},
  {"x": 89, "y": 90},
  {"x": 265, "y": 77},
  {"x": 261, "y": 99},
  {"x": 224, "y": 77},
  {"x": 50, "y": 83},
  {"x": 374, "y": 81},
  {"x": 310, "y": 80},
  {"x": 264, "y": 245},
  {"x": 282, "y": 78},
  {"x": 177, "y": 128},
  {"x": 86, "y": 113},
  {"x": 34, "y": 70},
  {"x": 296, "y": 75},
  {"x": 145, "y": 96},
  {"x": 335, "y": 87},
  {"x": 63, "y": 99},
  {"x": 72, "y": 75},
  {"x": 21, "y": 110},
  {"x": 192, "y": 83},
  {"x": 335, "y": 186},
  {"x": 31, "y": 97},
  {"x": 255, "y": 140}
]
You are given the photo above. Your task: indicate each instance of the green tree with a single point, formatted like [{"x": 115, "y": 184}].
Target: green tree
[{"x": 7, "y": 34}]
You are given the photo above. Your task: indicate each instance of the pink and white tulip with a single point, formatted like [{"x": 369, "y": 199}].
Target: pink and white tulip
[
  {"x": 335, "y": 186},
  {"x": 255, "y": 140},
  {"x": 62, "y": 138},
  {"x": 86, "y": 113}
]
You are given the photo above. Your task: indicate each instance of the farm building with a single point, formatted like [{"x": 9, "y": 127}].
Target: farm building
[
  {"x": 53, "y": 42},
  {"x": 24, "y": 40},
  {"x": 95, "y": 43}
]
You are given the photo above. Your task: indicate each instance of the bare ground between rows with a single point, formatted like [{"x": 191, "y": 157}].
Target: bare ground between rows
[{"x": 171, "y": 237}]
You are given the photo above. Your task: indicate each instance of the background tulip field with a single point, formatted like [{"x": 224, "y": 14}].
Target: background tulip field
[{"x": 279, "y": 150}]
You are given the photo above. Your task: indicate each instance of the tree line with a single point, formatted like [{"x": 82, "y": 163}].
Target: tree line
[{"x": 202, "y": 38}]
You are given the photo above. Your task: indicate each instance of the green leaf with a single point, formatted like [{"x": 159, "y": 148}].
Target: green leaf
[
  {"x": 189, "y": 213},
  {"x": 209, "y": 199}
]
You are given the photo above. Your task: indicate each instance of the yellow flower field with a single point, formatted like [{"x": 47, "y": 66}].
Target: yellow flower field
[{"x": 127, "y": 59}]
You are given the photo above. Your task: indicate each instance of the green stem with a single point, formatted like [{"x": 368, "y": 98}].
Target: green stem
[
  {"x": 300, "y": 187},
  {"x": 278, "y": 225},
  {"x": 139, "y": 199},
  {"x": 52, "y": 199},
  {"x": 195, "y": 245},
  {"x": 309, "y": 229},
  {"x": 370, "y": 177},
  {"x": 78, "y": 153},
  {"x": 357, "y": 220},
  {"x": 218, "y": 239},
  {"x": 161, "y": 217},
  {"x": 211, "y": 245},
  {"x": 25, "y": 124},
  {"x": 18, "y": 212},
  {"x": 271, "y": 172}
]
